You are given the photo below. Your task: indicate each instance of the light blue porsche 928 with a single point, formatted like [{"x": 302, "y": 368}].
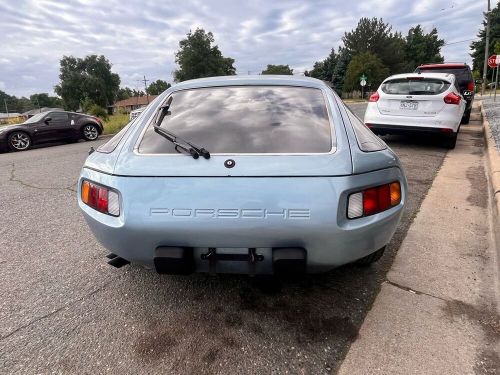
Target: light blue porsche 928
[{"x": 244, "y": 174}]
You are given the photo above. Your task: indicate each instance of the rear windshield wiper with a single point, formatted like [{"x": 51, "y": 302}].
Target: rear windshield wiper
[{"x": 180, "y": 143}]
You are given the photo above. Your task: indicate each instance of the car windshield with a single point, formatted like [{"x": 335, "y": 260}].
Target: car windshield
[
  {"x": 35, "y": 118},
  {"x": 245, "y": 119},
  {"x": 413, "y": 86}
]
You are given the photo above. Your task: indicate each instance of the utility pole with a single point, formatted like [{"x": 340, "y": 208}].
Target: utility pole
[
  {"x": 6, "y": 108},
  {"x": 486, "y": 48},
  {"x": 146, "y": 87}
]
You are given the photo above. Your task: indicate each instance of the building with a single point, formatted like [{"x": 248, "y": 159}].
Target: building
[{"x": 130, "y": 104}]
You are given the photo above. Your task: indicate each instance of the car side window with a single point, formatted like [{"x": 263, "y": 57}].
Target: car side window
[{"x": 58, "y": 116}]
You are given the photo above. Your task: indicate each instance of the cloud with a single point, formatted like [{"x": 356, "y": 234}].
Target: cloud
[{"x": 142, "y": 37}]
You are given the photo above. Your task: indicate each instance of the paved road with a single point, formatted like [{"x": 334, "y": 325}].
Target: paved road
[{"x": 63, "y": 310}]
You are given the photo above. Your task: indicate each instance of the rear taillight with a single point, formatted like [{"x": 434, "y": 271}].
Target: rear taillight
[
  {"x": 100, "y": 198},
  {"x": 374, "y": 97},
  {"x": 373, "y": 200},
  {"x": 470, "y": 86},
  {"x": 452, "y": 98}
]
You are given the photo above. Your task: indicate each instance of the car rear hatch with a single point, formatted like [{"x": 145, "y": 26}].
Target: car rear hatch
[
  {"x": 261, "y": 131},
  {"x": 461, "y": 72},
  {"x": 414, "y": 96}
]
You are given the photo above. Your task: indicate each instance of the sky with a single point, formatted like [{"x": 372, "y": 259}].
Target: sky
[{"x": 140, "y": 37}]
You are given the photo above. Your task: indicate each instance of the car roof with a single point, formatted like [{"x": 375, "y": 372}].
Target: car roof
[
  {"x": 251, "y": 80},
  {"x": 443, "y": 66},
  {"x": 446, "y": 76}
]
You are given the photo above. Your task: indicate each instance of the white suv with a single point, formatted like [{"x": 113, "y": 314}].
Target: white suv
[
  {"x": 417, "y": 102},
  {"x": 135, "y": 113}
]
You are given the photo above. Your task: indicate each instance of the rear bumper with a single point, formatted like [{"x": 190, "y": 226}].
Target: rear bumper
[
  {"x": 234, "y": 215},
  {"x": 402, "y": 129},
  {"x": 448, "y": 118}
]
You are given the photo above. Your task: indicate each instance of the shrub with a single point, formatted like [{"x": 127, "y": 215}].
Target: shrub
[
  {"x": 115, "y": 123},
  {"x": 98, "y": 111}
]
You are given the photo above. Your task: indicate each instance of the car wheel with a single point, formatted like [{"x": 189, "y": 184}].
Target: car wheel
[
  {"x": 372, "y": 258},
  {"x": 451, "y": 142},
  {"x": 90, "y": 132},
  {"x": 19, "y": 141},
  {"x": 466, "y": 117}
]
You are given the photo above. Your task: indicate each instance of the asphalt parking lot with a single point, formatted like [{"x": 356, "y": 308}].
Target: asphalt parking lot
[{"x": 64, "y": 310}]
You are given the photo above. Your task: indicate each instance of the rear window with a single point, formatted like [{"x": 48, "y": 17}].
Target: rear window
[
  {"x": 463, "y": 75},
  {"x": 245, "y": 119},
  {"x": 420, "y": 86}
]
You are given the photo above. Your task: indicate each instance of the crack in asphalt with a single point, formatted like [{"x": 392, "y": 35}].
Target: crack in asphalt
[
  {"x": 85, "y": 296},
  {"x": 13, "y": 178},
  {"x": 413, "y": 291}
]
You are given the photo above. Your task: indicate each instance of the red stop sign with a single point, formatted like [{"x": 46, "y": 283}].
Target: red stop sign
[{"x": 493, "y": 61}]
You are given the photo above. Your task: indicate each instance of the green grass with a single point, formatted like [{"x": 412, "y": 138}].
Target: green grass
[{"x": 115, "y": 123}]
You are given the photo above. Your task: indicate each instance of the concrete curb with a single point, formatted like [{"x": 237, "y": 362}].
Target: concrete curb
[
  {"x": 446, "y": 260},
  {"x": 493, "y": 163}
]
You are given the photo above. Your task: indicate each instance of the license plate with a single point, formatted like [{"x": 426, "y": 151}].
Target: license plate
[{"x": 408, "y": 104}]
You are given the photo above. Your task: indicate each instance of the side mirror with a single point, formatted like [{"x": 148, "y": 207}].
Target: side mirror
[{"x": 47, "y": 120}]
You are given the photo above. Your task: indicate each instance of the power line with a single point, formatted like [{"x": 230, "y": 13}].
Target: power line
[{"x": 460, "y": 41}]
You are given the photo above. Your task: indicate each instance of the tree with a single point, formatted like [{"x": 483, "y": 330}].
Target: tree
[
  {"x": 138, "y": 93},
  {"x": 23, "y": 104},
  {"x": 157, "y": 87},
  {"x": 90, "y": 77},
  {"x": 368, "y": 64},
  {"x": 478, "y": 46},
  {"x": 339, "y": 72},
  {"x": 324, "y": 69},
  {"x": 422, "y": 48},
  {"x": 124, "y": 93},
  {"x": 278, "y": 69},
  {"x": 376, "y": 37},
  {"x": 44, "y": 100},
  {"x": 197, "y": 58}
]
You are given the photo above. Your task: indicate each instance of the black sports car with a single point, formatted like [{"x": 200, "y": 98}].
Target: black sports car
[{"x": 50, "y": 126}]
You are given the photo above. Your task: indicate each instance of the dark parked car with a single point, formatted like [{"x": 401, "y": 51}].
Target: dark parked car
[
  {"x": 50, "y": 127},
  {"x": 464, "y": 78}
]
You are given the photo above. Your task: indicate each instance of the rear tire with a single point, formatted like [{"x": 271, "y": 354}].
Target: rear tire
[
  {"x": 372, "y": 258},
  {"x": 90, "y": 132},
  {"x": 466, "y": 117},
  {"x": 451, "y": 142}
]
